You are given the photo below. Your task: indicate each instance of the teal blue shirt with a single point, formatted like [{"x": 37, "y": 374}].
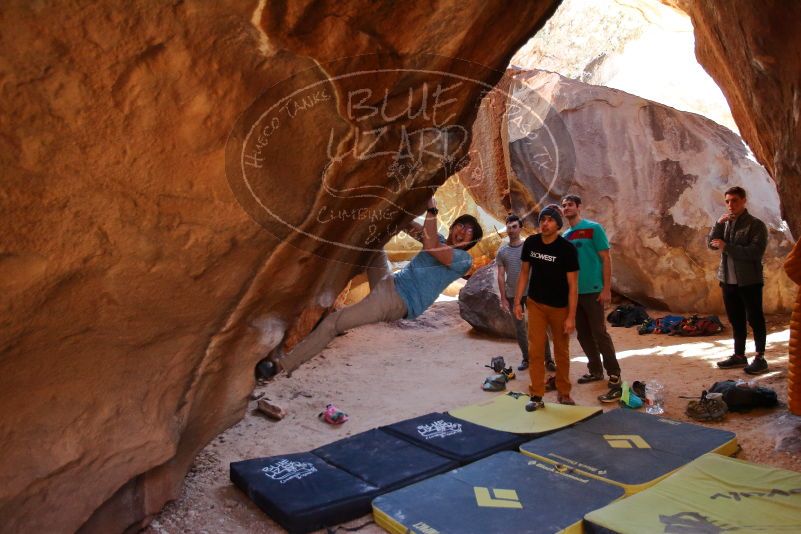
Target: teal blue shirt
[
  {"x": 589, "y": 238},
  {"x": 424, "y": 278}
]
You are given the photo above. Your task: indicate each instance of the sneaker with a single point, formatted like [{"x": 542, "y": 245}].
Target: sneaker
[
  {"x": 534, "y": 404},
  {"x": 638, "y": 387},
  {"x": 508, "y": 373},
  {"x": 613, "y": 395},
  {"x": 550, "y": 384},
  {"x": 586, "y": 379},
  {"x": 757, "y": 367},
  {"x": 732, "y": 362},
  {"x": 523, "y": 365},
  {"x": 565, "y": 399},
  {"x": 711, "y": 407},
  {"x": 614, "y": 381},
  {"x": 550, "y": 366}
]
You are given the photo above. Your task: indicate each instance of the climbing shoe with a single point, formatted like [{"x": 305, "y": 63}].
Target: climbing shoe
[
  {"x": 495, "y": 382},
  {"x": 535, "y": 403},
  {"x": 565, "y": 399},
  {"x": 497, "y": 364},
  {"x": 508, "y": 373},
  {"x": 586, "y": 379},
  {"x": 614, "y": 381},
  {"x": 711, "y": 407},
  {"x": 550, "y": 383}
]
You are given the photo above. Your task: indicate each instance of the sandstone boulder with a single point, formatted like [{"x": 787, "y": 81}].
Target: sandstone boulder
[
  {"x": 480, "y": 304},
  {"x": 652, "y": 175},
  {"x": 137, "y": 289},
  {"x": 642, "y": 47}
]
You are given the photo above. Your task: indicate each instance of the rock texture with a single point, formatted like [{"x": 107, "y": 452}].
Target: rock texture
[
  {"x": 793, "y": 268},
  {"x": 480, "y": 304},
  {"x": 137, "y": 292},
  {"x": 753, "y": 51},
  {"x": 639, "y": 46},
  {"x": 654, "y": 176}
]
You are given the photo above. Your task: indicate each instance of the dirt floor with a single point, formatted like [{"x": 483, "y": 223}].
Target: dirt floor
[{"x": 384, "y": 373}]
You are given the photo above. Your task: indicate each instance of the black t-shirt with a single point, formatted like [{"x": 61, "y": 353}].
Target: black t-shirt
[{"x": 549, "y": 265}]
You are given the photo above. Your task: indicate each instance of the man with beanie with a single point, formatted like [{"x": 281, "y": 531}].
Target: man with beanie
[
  {"x": 741, "y": 240},
  {"x": 550, "y": 267},
  {"x": 508, "y": 263},
  {"x": 595, "y": 292}
]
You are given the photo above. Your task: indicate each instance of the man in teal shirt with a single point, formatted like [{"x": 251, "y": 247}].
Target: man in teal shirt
[{"x": 595, "y": 292}]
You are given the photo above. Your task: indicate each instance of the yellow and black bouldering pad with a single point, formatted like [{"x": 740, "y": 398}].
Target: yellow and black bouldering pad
[
  {"x": 506, "y": 492},
  {"x": 507, "y": 413},
  {"x": 630, "y": 449},
  {"x": 713, "y": 494}
]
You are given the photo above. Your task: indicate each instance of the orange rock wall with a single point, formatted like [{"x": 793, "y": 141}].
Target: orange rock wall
[
  {"x": 137, "y": 293},
  {"x": 753, "y": 51},
  {"x": 793, "y": 268}
]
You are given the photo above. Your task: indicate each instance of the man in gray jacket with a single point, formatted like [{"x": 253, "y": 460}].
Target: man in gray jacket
[{"x": 741, "y": 240}]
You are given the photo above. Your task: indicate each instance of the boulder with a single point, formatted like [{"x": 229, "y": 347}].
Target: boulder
[
  {"x": 177, "y": 179},
  {"x": 480, "y": 304},
  {"x": 652, "y": 175},
  {"x": 641, "y": 47}
]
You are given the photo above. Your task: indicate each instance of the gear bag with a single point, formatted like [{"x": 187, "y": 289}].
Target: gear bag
[{"x": 741, "y": 398}]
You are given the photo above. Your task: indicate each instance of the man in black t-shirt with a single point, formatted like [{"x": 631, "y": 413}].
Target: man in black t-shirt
[{"x": 550, "y": 265}]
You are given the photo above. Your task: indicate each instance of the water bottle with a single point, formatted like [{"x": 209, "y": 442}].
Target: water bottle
[{"x": 654, "y": 398}]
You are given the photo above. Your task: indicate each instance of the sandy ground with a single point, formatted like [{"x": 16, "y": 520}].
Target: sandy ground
[{"x": 384, "y": 373}]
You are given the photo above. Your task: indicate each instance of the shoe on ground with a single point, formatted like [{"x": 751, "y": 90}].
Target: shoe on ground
[
  {"x": 586, "y": 379},
  {"x": 732, "y": 362},
  {"x": 266, "y": 369},
  {"x": 495, "y": 382},
  {"x": 565, "y": 399},
  {"x": 614, "y": 381},
  {"x": 550, "y": 366},
  {"x": 638, "y": 387},
  {"x": 613, "y": 395},
  {"x": 523, "y": 365},
  {"x": 508, "y": 373},
  {"x": 550, "y": 384},
  {"x": 535, "y": 403},
  {"x": 757, "y": 367},
  {"x": 707, "y": 409}
]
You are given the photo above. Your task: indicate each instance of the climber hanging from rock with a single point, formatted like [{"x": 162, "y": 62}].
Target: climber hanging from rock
[{"x": 403, "y": 295}]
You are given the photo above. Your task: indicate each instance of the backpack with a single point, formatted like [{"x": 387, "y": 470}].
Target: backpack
[
  {"x": 667, "y": 324},
  {"x": 647, "y": 327},
  {"x": 699, "y": 326},
  {"x": 627, "y": 316},
  {"x": 744, "y": 397}
]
